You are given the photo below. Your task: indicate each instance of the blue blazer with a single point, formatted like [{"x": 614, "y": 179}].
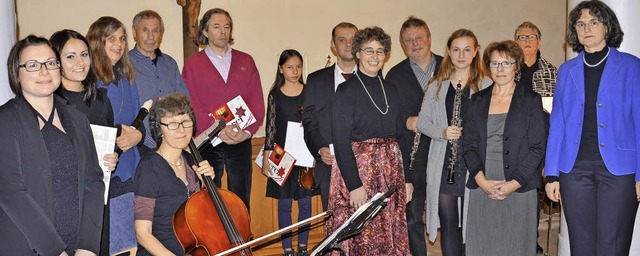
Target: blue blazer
[{"x": 618, "y": 113}]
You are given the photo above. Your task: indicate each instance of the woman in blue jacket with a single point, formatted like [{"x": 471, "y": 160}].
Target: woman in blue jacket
[{"x": 595, "y": 134}]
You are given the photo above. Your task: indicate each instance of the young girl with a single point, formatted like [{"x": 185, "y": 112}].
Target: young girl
[
  {"x": 108, "y": 39},
  {"x": 461, "y": 66},
  {"x": 285, "y": 101}
]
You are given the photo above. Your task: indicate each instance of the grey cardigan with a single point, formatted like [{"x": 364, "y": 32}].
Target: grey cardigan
[{"x": 432, "y": 121}]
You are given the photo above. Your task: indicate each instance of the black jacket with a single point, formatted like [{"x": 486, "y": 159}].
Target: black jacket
[
  {"x": 318, "y": 105},
  {"x": 411, "y": 93},
  {"x": 26, "y": 199},
  {"x": 523, "y": 139}
]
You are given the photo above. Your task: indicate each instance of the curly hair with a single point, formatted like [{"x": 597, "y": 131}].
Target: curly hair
[
  {"x": 604, "y": 14},
  {"x": 508, "y": 48},
  {"x": 368, "y": 35},
  {"x": 173, "y": 104}
]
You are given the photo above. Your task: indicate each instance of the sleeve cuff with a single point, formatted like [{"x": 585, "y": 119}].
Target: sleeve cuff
[{"x": 551, "y": 179}]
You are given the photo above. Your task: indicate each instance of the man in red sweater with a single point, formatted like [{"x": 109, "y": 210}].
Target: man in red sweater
[{"x": 213, "y": 77}]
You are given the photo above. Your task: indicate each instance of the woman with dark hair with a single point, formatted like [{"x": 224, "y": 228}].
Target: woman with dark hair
[
  {"x": 462, "y": 65},
  {"x": 108, "y": 41},
  {"x": 166, "y": 178},
  {"x": 595, "y": 135},
  {"x": 366, "y": 126},
  {"x": 79, "y": 85},
  {"x": 503, "y": 142},
  {"x": 284, "y": 106},
  {"x": 51, "y": 189}
]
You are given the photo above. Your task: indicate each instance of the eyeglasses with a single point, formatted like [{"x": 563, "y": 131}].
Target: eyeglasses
[
  {"x": 370, "y": 51},
  {"x": 592, "y": 24},
  {"x": 175, "y": 125},
  {"x": 527, "y": 37},
  {"x": 33, "y": 66},
  {"x": 504, "y": 64}
]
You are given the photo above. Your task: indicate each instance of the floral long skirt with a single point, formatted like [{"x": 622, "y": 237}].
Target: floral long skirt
[{"x": 379, "y": 164}]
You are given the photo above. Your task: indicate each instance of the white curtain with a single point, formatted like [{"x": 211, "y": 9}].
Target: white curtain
[
  {"x": 7, "y": 39},
  {"x": 626, "y": 10}
]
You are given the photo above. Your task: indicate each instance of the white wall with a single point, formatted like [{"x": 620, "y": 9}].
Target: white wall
[
  {"x": 8, "y": 38},
  {"x": 265, "y": 28}
]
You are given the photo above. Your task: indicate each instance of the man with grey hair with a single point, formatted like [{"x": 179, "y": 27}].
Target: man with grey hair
[
  {"x": 157, "y": 74},
  {"x": 411, "y": 77}
]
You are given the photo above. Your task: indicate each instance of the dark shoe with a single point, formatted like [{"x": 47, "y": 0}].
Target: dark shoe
[
  {"x": 302, "y": 251},
  {"x": 539, "y": 249},
  {"x": 289, "y": 253}
]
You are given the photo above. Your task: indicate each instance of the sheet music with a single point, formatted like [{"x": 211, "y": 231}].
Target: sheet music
[
  {"x": 295, "y": 145},
  {"x": 105, "y": 140},
  {"x": 344, "y": 225}
]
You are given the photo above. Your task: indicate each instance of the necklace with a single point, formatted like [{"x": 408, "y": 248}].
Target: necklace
[
  {"x": 180, "y": 161},
  {"x": 599, "y": 62},
  {"x": 383, "y": 93}
]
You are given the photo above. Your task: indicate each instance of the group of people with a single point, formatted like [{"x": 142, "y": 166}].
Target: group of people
[{"x": 462, "y": 136}]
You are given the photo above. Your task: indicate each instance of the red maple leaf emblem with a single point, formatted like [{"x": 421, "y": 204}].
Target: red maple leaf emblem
[{"x": 281, "y": 171}]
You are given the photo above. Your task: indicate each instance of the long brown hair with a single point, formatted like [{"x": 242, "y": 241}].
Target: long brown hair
[
  {"x": 97, "y": 36},
  {"x": 477, "y": 71}
]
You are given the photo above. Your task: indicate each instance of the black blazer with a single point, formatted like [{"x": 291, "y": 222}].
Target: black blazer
[
  {"x": 411, "y": 93},
  {"x": 523, "y": 139},
  {"x": 318, "y": 104},
  {"x": 26, "y": 199}
]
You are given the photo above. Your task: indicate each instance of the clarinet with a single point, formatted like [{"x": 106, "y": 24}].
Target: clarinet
[
  {"x": 456, "y": 120},
  {"x": 414, "y": 149},
  {"x": 416, "y": 142}
]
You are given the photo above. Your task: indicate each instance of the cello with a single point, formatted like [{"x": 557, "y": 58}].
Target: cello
[{"x": 212, "y": 220}]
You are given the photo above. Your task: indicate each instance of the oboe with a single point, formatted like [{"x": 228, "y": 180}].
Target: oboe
[{"x": 456, "y": 120}]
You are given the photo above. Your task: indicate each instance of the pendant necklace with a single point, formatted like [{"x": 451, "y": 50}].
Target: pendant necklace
[{"x": 371, "y": 98}]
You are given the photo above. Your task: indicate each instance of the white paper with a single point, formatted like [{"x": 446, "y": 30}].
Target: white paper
[
  {"x": 105, "y": 140},
  {"x": 547, "y": 103},
  {"x": 294, "y": 144}
]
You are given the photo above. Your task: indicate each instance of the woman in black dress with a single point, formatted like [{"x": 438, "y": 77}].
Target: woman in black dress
[
  {"x": 79, "y": 87},
  {"x": 165, "y": 179},
  {"x": 366, "y": 126},
  {"x": 284, "y": 105},
  {"x": 51, "y": 194}
]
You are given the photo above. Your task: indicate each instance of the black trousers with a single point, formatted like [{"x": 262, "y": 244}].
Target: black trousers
[
  {"x": 415, "y": 208},
  {"x": 236, "y": 160},
  {"x": 322, "y": 176},
  {"x": 600, "y": 209}
]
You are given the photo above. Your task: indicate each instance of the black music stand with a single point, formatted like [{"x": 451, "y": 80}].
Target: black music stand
[{"x": 353, "y": 226}]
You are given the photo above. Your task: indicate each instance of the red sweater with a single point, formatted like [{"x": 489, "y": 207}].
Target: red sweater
[{"x": 208, "y": 90}]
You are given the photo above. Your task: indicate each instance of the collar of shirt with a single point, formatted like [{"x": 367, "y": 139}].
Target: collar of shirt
[
  {"x": 337, "y": 75},
  {"x": 221, "y": 63},
  {"x": 424, "y": 76},
  {"x": 136, "y": 53}
]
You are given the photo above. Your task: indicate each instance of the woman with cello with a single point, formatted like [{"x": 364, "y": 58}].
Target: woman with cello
[{"x": 165, "y": 179}]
